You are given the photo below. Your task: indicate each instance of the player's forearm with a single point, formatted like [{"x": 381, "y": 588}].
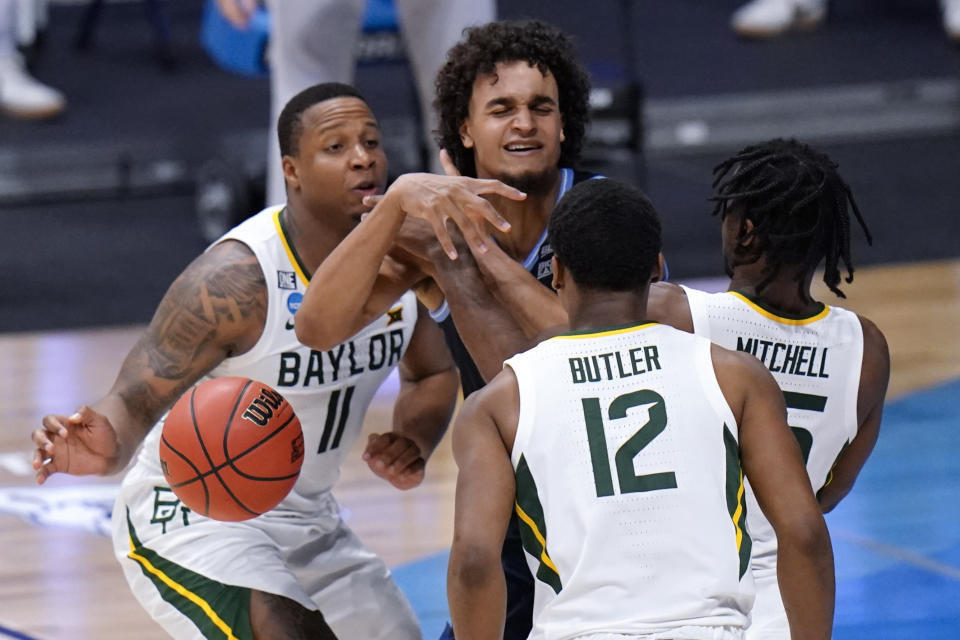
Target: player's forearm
[
  {"x": 533, "y": 306},
  {"x": 487, "y": 329},
  {"x": 336, "y": 304},
  {"x": 424, "y": 407},
  {"x": 477, "y": 595},
  {"x": 806, "y": 574}
]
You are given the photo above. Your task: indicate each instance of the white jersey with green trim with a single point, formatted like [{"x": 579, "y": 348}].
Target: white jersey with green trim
[
  {"x": 629, "y": 487},
  {"x": 328, "y": 390},
  {"x": 816, "y": 362}
]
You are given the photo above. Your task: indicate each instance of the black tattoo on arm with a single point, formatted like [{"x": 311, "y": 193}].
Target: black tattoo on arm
[{"x": 214, "y": 309}]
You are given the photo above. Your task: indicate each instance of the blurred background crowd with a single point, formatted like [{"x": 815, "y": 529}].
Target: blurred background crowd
[{"x": 133, "y": 131}]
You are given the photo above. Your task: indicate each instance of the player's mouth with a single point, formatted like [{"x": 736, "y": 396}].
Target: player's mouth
[
  {"x": 521, "y": 148},
  {"x": 368, "y": 188}
]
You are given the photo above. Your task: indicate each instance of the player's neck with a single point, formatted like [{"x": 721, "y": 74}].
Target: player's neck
[
  {"x": 528, "y": 218},
  {"x": 605, "y": 309},
  {"x": 784, "y": 293},
  {"x": 312, "y": 236}
]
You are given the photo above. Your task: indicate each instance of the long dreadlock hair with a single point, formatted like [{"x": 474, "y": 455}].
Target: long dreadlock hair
[{"x": 798, "y": 204}]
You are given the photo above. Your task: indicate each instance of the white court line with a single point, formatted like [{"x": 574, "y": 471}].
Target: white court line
[{"x": 907, "y": 556}]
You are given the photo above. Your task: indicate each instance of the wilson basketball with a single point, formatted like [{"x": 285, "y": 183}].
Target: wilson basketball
[{"x": 231, "y": 448}]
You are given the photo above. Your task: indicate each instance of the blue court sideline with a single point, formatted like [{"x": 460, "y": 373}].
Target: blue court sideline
[{"x": 896, "y": 537}]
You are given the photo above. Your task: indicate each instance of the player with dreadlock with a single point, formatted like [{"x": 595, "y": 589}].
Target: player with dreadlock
[{"x": 784, "y": 210}]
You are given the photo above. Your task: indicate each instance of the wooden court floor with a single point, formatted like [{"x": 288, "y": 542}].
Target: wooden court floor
[{"x": 58, "y": 583}]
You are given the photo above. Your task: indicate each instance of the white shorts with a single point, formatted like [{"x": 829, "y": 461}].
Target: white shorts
[
  {"x": 692, "y": 632},
  {"x": 193, "y": 575},
  {"x": 768, "y": 619}
]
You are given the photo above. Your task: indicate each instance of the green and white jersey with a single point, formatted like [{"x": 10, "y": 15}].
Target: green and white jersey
[
  {"x": 328, "y": 390},
  {"x": 629, "y": 487},
  {"x": 816, "y": 361}
]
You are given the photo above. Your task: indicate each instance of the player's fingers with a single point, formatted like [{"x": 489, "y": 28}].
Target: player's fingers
[
  {"x": 415, "y": 467},
  {"x": 371, "y": 201},
  {"x": 490, "y": 186},
  {"x": 46, "y": 468},
  {"x": 85, "y": 415},
  {"x": 376, "y": 443},
  {"x": 405, "y": 459},
  {"x": 391, "y": 455},
  {"x": 446, "y": 162},
  {"x": 52, "y": 424},
  {"x": 443, "y": 237},
  {"x": 482, "y": 209}
]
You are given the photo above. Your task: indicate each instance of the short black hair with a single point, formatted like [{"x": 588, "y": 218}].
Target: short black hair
[
  {"x": 607, "y": 234},
  {"x": 290, "y": 122},
  {"x": 799, "y": 206},
  {"x": 540, "y": 45}
]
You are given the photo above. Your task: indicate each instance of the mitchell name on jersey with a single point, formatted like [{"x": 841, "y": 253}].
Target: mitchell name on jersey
[{"x": 782, "y": 357}]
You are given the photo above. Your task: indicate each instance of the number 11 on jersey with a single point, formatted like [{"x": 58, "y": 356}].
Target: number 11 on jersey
[{"x": 627, "y": 479}]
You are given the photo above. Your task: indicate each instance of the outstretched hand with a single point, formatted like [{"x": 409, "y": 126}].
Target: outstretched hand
[
  {"x": 437, "y": 199},
  {"x": 395, "y": 458},
  {"x": 81, "y": 444}
]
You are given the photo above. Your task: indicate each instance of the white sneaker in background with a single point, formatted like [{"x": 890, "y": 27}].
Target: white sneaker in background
[
  {"x": 770, "y": 18},
  {"x": 951, "y": 18},
  {"x": 22, "y": 96}
]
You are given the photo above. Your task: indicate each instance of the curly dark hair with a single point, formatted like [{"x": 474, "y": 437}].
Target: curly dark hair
[
  {"x": 607, "y": 233},
  {"x": 539, "y": 44},
  {"x": 798, "y": 204}
]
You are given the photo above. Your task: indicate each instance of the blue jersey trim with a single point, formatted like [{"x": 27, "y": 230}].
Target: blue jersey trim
[{"x": 566, "y": 182}]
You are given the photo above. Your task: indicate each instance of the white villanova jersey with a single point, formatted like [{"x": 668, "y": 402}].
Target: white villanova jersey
[
  {"x": 329, "y": 390},
  {"x": 629, "y": 487},
  {"x": 816, "y": 362}
]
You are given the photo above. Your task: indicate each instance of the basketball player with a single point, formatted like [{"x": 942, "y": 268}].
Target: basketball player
[
  {"x": 784, "y": 210},
  {"x": 622, "y": 445},
  {"x": 296, "y": 571},
  {"x": 513, "y": 106}
]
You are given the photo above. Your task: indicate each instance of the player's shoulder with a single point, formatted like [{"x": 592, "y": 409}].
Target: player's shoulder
[
  {"x": 876, "y": 354},
  {"x": 872, "y": 335},
  {"x": 667, "y": 304},
  {"x": 230, "y": 268}
]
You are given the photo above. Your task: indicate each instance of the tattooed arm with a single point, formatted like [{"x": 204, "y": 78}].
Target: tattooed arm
[{"x": 215, "y": 309}]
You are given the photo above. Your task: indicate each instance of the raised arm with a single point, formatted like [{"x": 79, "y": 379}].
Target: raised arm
[
  {"x": 214, "y": 309},
  {"x": 772, "y": 462},
  {"x": 428, "y": 395},
  {"x": 874, "y": 376},
  {"x": 486, "y": 489},
  {"x": 534, "y": 307},
  {"x": 355, "y": 284}
]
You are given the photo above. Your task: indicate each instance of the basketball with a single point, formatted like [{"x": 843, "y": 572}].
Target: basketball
[{"x": 231, "y": 448}]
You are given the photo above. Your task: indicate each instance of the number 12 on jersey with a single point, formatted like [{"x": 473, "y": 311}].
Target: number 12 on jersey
[{"x": 627, "y": 479}]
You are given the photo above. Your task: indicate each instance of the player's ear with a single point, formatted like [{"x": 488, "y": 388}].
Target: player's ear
[
  {"x": 745, "y": 232},
  {"x": 656, "y": 275},
  {"x": 465, "y": 138},
  {"x": 557, "y": 268},
  {"x": 290, "y": 172}
]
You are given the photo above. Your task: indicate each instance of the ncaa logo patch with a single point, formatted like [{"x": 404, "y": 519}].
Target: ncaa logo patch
[
  {"x": 286, "y": 279},
  {"x": 293, "y": 301}
]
